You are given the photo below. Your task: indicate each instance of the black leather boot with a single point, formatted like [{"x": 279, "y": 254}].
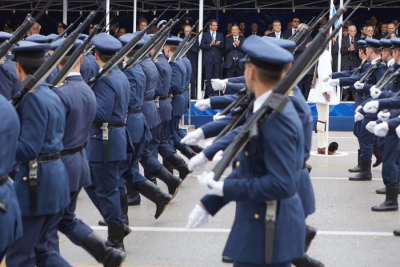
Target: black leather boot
[
  {"x": 226, "y": 259},
  {"x": 151, "y": 178},
  {"x": 132, "y": 195},
  {"x": 116, "y": 236},
  {"x": 170, "y": 180},
  {"x": 310, "y": 234},
  {"x": 378, "y": 157},
  {"x": 124, "y": 209},
  {"x": 306, "y": 261},
  {"x": 390, "y": 203},
  {"x": 188, "y": 152},
  {"x": 357, "y": 168},
  {"x": 168, "y": 166},
  {"x": 158, "y": 197},
  {"x": 97, "y": 247},
  {"x": 396, "y": 232},
  {"x": 196, "y": 148},
  {"x": 309, "y": 168},
  {"x": 365, "y": 172},
  {"x": 178, "y": 164}
]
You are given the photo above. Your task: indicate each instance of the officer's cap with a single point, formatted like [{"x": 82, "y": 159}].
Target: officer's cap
[
  {"x": 385, "y": 43},
  {"x": 395, "y": 41},
  {"x": 37, "y": 38},
  {"x": 30, "y": 50},
  {"x": 4, "y": 36},
  {"x": 52, "y": 37},
  {"x": 91, "y": 26},
  {"x": 265, "y": 55},
  {"x": 126, "y": 38},
  {"x": 373, "y": 43},
  {"x": 106, "y": 44},
  {"x": 61, "y": 25},
  {"x": 173, "y": 41},
  {"x": 161, "y": 23},
  {"x": 83, "y": 36},
  {"x": 285, "y": 44},
  {"x": 361, "y": 44},
  {"x": 56, "y": 44}
]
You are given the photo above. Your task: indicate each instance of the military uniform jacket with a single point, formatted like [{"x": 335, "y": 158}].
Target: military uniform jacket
[
  {"x": 10, "y": 66},
  {"x": 80, "y": 108},
  {"x": 176, "y": 88},
  {"x": 164, "y": 80},
  {"x": 6, "y": 83},
  {"x": 85, "y": 69},
  {"x": 10, "y": 221},
  {"x": 42, "y": 117},
  {"x": 149, "y": 107},
  {"x": 239, "y": 79},
  {"x": 258, "y": 177},
  {"x": 112, "y": 99},
  {"x": 136, "y": 123},
  {"x": 393, "y": 87},
  {"x": 188, "y": 67},
  {"x": 94, "y": 68}
]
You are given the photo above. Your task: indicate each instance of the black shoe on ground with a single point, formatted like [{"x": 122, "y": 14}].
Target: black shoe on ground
[
  {"x": 365, "y": 172},
  {"x": 390, "y": 203}
]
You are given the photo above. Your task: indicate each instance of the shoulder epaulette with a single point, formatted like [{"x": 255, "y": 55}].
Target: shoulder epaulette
[
  {"x": 290, "y": 93},
  {"x": 105, "y": 74},
  {"x": 61, "y": 83}
]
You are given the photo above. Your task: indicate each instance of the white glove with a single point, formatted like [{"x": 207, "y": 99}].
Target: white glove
[
  {"x": 218, "y": 116},
  {"x": 197, "y": 162},
  {"x": 375, "y": 92},
  {"x": 217, "y": 157},
  {"x": 346, "y": 87},
  {"x": 371, "y": 107},
  {"x": 383, "y": 116},
  {"x": 334, "y": 82},
  {"x": 358, "y": 85},
  {"x": 327, "y": 78},
  {"x": 381, "y": 129},
  {"x": 358, "y": 117},
  {"x": 206, "y": 180},
  {"x": 198, "y": 217},
  {"x": 225, "y": 80},
  {"x": 193, "y": 138},
  {"x": 203, "y": 104},
  {"x": 358, "y": 108},
  {"x": 218, "y": 84},
  {"x": 370, "y": 126},
  {"x": 398, "y": 131}
]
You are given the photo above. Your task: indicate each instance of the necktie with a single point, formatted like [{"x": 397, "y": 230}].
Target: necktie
[
  {"x": 212, "y": 36},
  {"x": 352, "y": 40},
  {"x": 235, "y": 57},
  {"x": 277, "y": 35}
]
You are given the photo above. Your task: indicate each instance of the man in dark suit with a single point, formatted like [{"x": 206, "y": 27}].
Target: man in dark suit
[
  {"x": 276, "y": 30},
  {"x": 295, "y": 24},
  {"x": 383, "y": 33},
  {"x": 348, "y": 51},
  {"x": 254, "y": 31},
  {"x": 192, "y": 56},
  {"x": 233, "y": 53},
  {"x": 212, "y": 43}
]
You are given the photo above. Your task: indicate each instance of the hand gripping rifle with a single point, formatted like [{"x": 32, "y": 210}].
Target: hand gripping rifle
[
  {"x": 182, "y": 44},
  {"x": 32, "y": 81},
  {"x": 8, "y": 45},
  {"x": 192, "y": 42},
  {"x": 125, "y": 50},
  {"x": 61, "y": 35},
  {"x": 74, "y": 58},
  {"x": 277, "y": 100}
]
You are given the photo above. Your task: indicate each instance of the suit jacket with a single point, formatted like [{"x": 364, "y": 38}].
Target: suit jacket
[
  {"x": 212, "y": 53},
  {"x": 380, "y": 35},
  {"x": 287, "y": 34},
  {"x": 247, "y": 34},
  {"x": 230, "y": 51},
  {"x": 350, "y": 59},
  {"x": 193, "y": 52},
  {"x": 272, "y": 34}
]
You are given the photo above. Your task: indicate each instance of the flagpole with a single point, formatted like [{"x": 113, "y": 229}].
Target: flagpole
[{"x": 327, "y": 103}]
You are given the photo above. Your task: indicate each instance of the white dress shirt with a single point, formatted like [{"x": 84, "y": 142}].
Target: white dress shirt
[{"x": 260, "y": 100}]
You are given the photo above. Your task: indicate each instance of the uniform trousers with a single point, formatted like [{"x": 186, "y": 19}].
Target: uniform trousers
[
  {"x": 32, "y": 248},
  {"x": 391, "y": 161},
  {"x": 245, "y": 264},
  {"x": 171, "y": 133},
  {"x": 212, "y": 72},
  {"x": 367, "y": 140},
  {"x": 234, "y": 70},
  {"x": 103, "y": 190},
  {"x": 158, "y": 144}
]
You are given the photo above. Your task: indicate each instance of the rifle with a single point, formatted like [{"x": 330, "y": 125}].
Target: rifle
[
  {"x": 371, "y": 70},
  {"x": 390, "y": 33},
  {"x": 125, "y": 50},
  {"x": 359, "y": 68},
  {"x": 242, "y": 94},
  {"x": 191, "y": 42},
  {"x": 385, "y": 75},
  {"x": 296, "y": 32},
  {"x": 74, "y": 58},
  {"x": 277, "y": 100},
  {"x": 32, "y": 81},
  {"x": 182, "y": 44},
  {"x": 392, "y": 77},
  {"x": 90, "y": 46},
  {"x": 8, "y": 45},
  {"x": 61, "y": 35}
]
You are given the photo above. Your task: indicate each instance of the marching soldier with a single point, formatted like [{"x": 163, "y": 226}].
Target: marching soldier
[
  {"x": 108, "y": 139},
  {"x": 41, "y": 183},
  {"x": 8, "y": 82},
  {"x": 257, "y": 184}
]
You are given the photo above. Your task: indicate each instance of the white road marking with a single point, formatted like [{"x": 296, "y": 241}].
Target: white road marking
[
  {"x": 222, "y": 230},
  {"x": 340, "y": 178}
]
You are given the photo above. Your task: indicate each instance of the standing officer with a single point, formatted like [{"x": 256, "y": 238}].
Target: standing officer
[
  {"x": 61, "y": 27},
  {"x": 234, "y": 53},
  {"x": 192, "y": 55},
  {"x": 10, "y": 213},
  {"x": 80, "y": 106},
  {"x": 108, "y": 139},
  {"x": 41, "y": 183},
  {"x": 256, "y": 181},
  {"x": 212, "y": 43}
]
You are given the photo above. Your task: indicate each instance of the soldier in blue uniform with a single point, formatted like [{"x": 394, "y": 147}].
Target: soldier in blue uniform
[
  {"x": 10, "y": 213},
  {"x": 41, "y": 183},
  {"x": 86, "y": 67},
  {"x": 108, "y": 139},
  {"x": 80, "y": 105},
  {"x": 276, "y": 181}
]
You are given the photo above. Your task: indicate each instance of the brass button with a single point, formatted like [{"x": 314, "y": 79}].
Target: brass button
[
  {"x": 94, "y": 135},
  {"x": 237, "y": 164},
  {"x": 256, "y": 216},
  {"x": 25, "y": 178},
  {"x": 246, "y": 153}
]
